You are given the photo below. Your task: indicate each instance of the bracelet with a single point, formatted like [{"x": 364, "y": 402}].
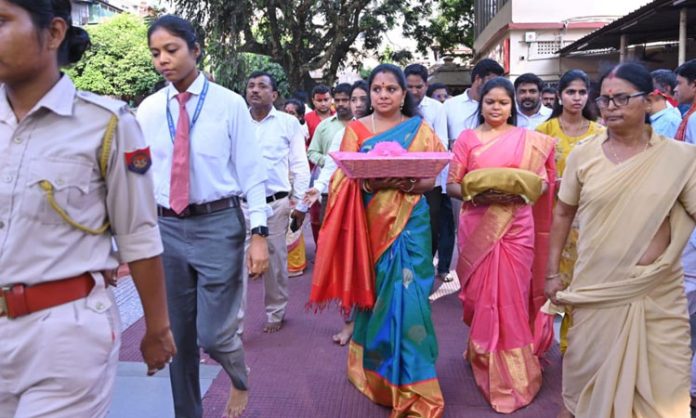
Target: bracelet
[
  {"x": 553, "y": 276},
  {"x": 413, "y": 185},
  {"x": 366, "y": 186}
]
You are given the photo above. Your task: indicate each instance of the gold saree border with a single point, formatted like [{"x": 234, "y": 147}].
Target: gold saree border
[
  {"x": 513, "y": 376},
  {"x": 390, "y": 210},
  {"x": 418, "y": 400},
  {"x": 387, "y": 216},
  {"x": 493, "y": 225}
]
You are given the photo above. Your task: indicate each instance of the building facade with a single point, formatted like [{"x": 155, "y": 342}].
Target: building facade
[
  {"x": 526, "y": 35},
  {"x": 90, "y": 12}
]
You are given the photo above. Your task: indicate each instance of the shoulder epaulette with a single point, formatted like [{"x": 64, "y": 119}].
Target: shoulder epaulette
[{"x": 117, "y": 107}]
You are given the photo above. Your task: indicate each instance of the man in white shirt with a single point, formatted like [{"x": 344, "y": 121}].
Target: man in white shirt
[
  {"x": 462, "y": 111},
  {"x": 441, "y": 217},
  {"x": 530, "y": 112},
  {"x": 282, "y": 142}
]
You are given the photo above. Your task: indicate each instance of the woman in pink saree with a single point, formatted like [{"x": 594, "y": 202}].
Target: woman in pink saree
[{"x": 505, "y": 176}]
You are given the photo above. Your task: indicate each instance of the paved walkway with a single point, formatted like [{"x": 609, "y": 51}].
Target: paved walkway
[{"x": 299, "y": 373}]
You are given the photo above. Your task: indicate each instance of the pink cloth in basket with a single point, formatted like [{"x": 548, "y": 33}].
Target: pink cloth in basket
[
  {"x": 390, "y": 160},
  {"x": 387, "y": 149}
]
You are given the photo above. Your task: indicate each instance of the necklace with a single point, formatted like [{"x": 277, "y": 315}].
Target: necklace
[
  {"x": 565, "y": 128},
  {"x": 616, "y": 157},
  {"x": 374, "y": 126}
]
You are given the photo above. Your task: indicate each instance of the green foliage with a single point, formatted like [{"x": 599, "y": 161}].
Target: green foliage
[
  {"x": 254, "y": 62},
  {"x": 400, "y": 57},
  {"x": 300, "y": 35},
  {"x": 450, "y": 27},
  {"x": 119, "y": 61}
]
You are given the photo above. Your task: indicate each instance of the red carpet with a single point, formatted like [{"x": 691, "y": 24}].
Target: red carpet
[{"x": 299, "y": 373}]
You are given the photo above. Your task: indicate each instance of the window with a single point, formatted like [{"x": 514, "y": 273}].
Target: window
[{"x": 547, "y": 47}]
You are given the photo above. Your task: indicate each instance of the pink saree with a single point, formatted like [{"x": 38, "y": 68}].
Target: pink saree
[{"x": 502, "y": 250}]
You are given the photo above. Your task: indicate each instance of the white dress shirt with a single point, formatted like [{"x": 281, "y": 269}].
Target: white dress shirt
[
  {"x": 324, "y": 179},
  {"x": 461, "y": 113},
  {"x": 282, "y": 142},
  {"x": 433, "y": 112},
  {"x": 531, "y": 122},
  {"x": 225, "y": 157}
]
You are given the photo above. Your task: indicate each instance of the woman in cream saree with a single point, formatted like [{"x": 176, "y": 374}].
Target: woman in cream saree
[{"x": 634, "y": 193}]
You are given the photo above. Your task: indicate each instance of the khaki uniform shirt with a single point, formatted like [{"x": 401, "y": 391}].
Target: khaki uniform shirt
[{"x": 60, "y": 141}]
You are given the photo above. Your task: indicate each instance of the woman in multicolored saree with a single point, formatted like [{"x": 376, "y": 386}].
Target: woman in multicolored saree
[
  {"x": 375, "y": 255},
  {"x": 505, "y": 176},
  {"x": 634, "y": 193}
]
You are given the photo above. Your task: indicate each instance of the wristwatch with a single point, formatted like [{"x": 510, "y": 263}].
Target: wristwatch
[{"x": 260, "y": 230}]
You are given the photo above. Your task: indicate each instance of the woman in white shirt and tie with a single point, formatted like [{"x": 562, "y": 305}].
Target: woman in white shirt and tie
[{"x": 205, "y": 158}]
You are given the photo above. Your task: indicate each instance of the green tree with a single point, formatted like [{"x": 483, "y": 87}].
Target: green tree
[
  {"x": 449, "y": 27},
  {"x": 119, "y": 61},
  {"x": 253, "y": 62},
  {"x": 300, "y": 35}
]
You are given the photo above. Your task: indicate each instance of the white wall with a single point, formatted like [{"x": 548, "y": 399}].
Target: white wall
[
  {"x": 559, "y": 10},
  {"x": 533, "y": 56},
  {"x": 524, "y": 56}
]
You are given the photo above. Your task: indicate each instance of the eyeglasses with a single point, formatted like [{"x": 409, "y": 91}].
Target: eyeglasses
[{"x": 620, "y": 100}]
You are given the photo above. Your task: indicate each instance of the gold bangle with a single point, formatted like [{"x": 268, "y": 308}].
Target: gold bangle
[
  {"x": 413, "y": 185},
  {"x": 366, "y": 186}
]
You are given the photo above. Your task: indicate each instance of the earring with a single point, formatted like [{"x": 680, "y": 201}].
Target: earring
[{"x": 402, "y": 105}]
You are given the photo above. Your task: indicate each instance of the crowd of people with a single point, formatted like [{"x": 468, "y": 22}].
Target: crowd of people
[{"x": 573, "y": 199}]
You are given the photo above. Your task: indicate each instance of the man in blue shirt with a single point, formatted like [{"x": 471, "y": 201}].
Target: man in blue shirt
[{"x": 664, "y": 117}]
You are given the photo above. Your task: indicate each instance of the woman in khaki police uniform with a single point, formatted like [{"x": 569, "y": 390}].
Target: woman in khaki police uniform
[{"x": 73, "y": 175}]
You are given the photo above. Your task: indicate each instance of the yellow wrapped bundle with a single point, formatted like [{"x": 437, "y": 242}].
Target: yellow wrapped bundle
[{"x": 505, "y": 180}]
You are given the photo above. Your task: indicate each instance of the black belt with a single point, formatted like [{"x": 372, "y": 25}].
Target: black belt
[
  {"x": 274, "y": 197},
  {"x": 202, "y": 209}
]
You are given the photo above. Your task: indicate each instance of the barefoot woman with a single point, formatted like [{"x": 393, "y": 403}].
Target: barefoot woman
[{"x": 375, "y": 253}]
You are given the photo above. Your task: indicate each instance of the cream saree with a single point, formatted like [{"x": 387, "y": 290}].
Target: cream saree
[{"x": 628, "y": 348}]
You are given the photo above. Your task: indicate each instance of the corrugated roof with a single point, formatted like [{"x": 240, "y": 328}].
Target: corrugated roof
[{"x": 657, "y": 21}]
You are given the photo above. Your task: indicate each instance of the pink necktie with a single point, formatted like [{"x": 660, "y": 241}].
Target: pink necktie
[{"x": 179, "y": 180}]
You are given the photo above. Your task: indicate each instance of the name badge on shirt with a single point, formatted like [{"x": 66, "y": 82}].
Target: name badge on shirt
[{"x": 139, "y": 161}]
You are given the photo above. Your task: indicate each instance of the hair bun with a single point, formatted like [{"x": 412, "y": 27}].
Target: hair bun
[{"x": 77, "y": 40}]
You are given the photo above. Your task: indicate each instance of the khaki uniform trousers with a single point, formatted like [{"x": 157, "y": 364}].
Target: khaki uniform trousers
[{"x": 61, "y": 362}]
